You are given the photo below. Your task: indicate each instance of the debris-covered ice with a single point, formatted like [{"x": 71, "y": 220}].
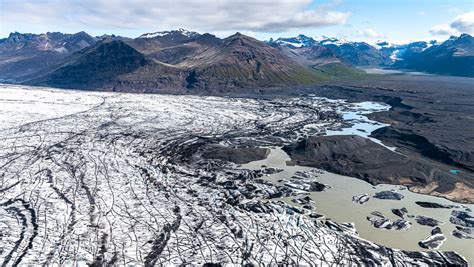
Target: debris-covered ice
[{"x": 113, "y": 179}]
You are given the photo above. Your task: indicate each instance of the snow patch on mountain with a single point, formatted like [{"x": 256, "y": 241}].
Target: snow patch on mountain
[
  {"x": 305, "y": 41},
  {"x": 332, "y": 41},
  {"x": 394, "y": 55},
  {"x": 295, "y": 42},
  {"x": 281, "y": 42},
  {"x": 164, "y": 33}
]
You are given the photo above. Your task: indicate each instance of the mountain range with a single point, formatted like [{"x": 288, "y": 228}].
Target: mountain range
[
  {"x": 182, "y": 60},
  {"x": 454, "y": 56},
  {"x": 25, "y": 54}
]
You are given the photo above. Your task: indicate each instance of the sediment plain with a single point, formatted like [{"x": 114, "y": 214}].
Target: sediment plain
[{"x": 111, "y": 178}]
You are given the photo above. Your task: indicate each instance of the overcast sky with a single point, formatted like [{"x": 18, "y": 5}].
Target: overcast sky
[{"x": 362, "y": 20}]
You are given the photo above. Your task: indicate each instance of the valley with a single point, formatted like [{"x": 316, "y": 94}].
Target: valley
[
  {"x": 114, "y": 178},
  {"x": 236, "y": 133},
  {"x": 183, "y": 62}
]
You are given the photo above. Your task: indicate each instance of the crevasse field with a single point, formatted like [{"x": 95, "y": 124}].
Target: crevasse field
[{"x": 112, "y": 178}]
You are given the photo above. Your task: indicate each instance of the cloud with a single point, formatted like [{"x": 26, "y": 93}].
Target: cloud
[
  {"x": 202, "y": 15},
  {"x": 442, "y": 29},
  {"x": 463, "y": 23},
  {"x": 370, "y": 33}
]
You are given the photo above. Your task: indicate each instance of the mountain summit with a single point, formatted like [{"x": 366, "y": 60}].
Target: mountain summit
[
  {"x": 22, "y": 54},
  {"x": 451, "y": 57},
  {"x": 244, "y": 61},
  {"x": 455, "y": 56},
  {"x": 181, "y": 60},
  {"x": 164, "y": 62},
  {"x": 179, "y": 32},
  {"x": 94, "y": 66}
]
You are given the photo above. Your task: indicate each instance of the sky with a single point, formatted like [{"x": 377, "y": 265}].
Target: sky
[{"x": 396, "y": 21}]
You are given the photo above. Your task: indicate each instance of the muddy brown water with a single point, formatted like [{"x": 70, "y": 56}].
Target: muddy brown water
[{"x": 336, "y": 203}]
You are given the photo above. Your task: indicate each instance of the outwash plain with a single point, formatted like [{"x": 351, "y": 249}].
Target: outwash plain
[{"x": 116, "y": 178}]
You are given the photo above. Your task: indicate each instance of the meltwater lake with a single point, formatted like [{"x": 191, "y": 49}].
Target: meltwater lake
[{"x": 336, "y": 203}]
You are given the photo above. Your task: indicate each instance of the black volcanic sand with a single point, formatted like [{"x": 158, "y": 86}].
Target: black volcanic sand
[
  {"x": 235, "y": 155},
  {"x": 430, "y": 115},
  {"x": 360, "y": 157},
  {"x": 431, "y": 118}
]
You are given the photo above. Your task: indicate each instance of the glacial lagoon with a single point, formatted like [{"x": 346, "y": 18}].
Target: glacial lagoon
[{"x": 336, "y": 202}]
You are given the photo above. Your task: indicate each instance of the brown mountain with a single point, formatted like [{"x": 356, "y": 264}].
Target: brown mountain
[
  {"x": 25, "y": 54},
  {"x": 154, "y": 64},
  {"x": 110, "y": 65},
  {"x": 174, "y": 47},
  {"x": 242, "y": 61}
]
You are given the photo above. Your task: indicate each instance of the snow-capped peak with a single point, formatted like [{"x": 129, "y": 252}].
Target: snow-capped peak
[
  {"x": 296, "y": 42},
  {"x": 187, "y": 33},
  {"x": 305, "y": 41},
  {"x": 164, "y": 33},
  {"x": 323, "y": 40},
  {"x": 380, "y": 44}
]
